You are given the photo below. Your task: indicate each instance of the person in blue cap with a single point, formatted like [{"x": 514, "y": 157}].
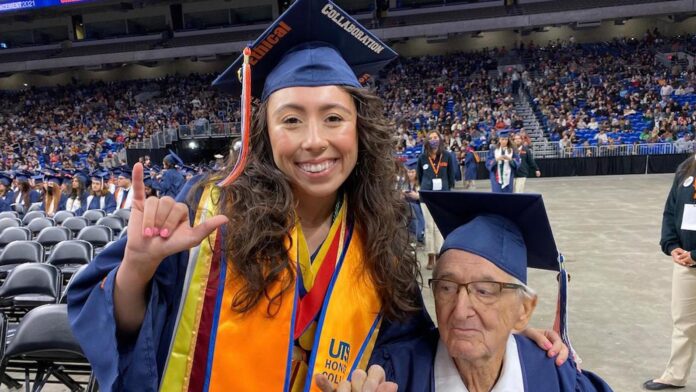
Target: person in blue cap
[
  {"x": 172, "y": 181},
  {"x": 481, "y": 295},
  {"x": 6, "y": 193},
  {"x": 470, "y": 162},
  {"x": 410, "y": 190},
  {"x": 99, "y": 197},
  {"x": 123, "y": 194},
  {"x": 54, "y": 199},
  {"x": 151, "y": 187},
  {"x": 502, "y": 161},
  {"x": 77, "y": 198},
  {"x": 25, "y": 195},
  {"x": 288, "y": 277}
]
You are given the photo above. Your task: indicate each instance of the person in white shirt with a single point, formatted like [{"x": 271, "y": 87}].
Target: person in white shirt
[{"x": 123, "y": 194}]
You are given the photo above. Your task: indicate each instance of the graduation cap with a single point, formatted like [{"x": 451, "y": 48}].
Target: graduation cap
[
  {"x": 313, "y": 43},
  {"x": 54, "y": 179},
  {"x": 173, "y": 159},
  {"x": 38, "y": 179},
  {"x": 151, "y": 183},
  {"x": 125, "y": 173},
  {"x": 511, "y": 231},
  {"x": 411, "y": 164},
  {"x": 504, "y": 133},
  {"x": 5, "y": 179},
  {"x": 99, "y": 176},
  {"x": 22, "y": 175}
]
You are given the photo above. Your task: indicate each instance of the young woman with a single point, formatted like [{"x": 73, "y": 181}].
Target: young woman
[
  {"x": 6, "y": 194},
  {"x": 78, "y": 193},
  {"x": 54, "y": 199},
  {"x": 502, "y": 162},
  {"x": 311, "y": 273},
  {"x": 25, "y": 195},
  {"x": 99, "y": 197}
]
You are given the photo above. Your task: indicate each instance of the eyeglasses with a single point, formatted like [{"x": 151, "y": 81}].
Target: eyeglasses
[{"x": 483, "y": 292}]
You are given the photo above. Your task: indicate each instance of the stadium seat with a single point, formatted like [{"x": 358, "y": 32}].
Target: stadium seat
[
  {"x": 98, "y": 236},
  {"x": 93, "y": 216},
  {"x": 113, "y": 222},
  {"x": 50, "y": 236},
  {"x": 9, "y": 222},
  {"x": 9, "y": 214},
  {"x": 38, "y": 224},
  {"x": 28, "y": 286},
  {"x": 43, "y": 346},
  {"x": 61, "y": 216},
  {"x": 12, "y": 234},
  {"x": 30, "y": 216},
  {"x": 19, "y": 252},
  {"x": 66, "y": 286},
  {"x": 123, "y": 213},
  {"x": 75, "y": 224},
  {"x": 70, "y": 255}
]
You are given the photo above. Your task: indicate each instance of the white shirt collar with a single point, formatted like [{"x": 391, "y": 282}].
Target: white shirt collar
[{"x": 447, "y": 378}]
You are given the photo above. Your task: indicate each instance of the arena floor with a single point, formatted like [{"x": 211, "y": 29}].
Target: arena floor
[
  {"x": 609, "y": 229},
  {"x": 619, "y": 308}
]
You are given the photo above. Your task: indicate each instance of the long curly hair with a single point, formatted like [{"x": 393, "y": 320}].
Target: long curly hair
[{"x": 261, "y": 208}]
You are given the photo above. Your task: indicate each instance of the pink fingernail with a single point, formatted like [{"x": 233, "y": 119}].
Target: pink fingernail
[
  {"x": 548, "y": 345},
  {"x": 148, "y": 232},
  {"x": 164, "y": 233},
  {"x": 155, "y": 231}
]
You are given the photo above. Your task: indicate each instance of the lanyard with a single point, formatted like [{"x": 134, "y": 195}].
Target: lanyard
[{"x": 436, "y": 168}]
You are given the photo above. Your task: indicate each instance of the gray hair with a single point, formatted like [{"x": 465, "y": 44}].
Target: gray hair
[{"x": 525, "y": 292}]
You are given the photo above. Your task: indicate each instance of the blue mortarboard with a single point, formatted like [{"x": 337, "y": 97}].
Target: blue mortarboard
[
  {"x": 5, "y": 179},
  {"x": 173, "y": 158},
  {"x": 22, "y": 175},
  {"x": 54, "y": 178},
  {"x": 510, "y": 230},
  {"x": 99, "y": 175},
  {"x": 313, "y": 43},
  {"x": 504, "y": 133},
  {"x": 151, "y": 183},
  {"x": 411, "y": 164},
  {"x": 38, "y": 178},
  {"x": 125, "y": 172}
]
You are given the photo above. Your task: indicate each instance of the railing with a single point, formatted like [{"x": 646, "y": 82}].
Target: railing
[
  {"x": 204, "y": 130},
  {"x": 614, "y": 150}
]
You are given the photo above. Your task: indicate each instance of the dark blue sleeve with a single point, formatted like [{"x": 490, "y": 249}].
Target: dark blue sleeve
[
  {"x": 110, "y": 203},
  {"x": 454, "y": 173},
  {"x": 63, "y": 202},
  {"x": 166, "y": 185},
  {"x": 490, "y": 160},
  {"x": 34, "y": 197},
  {"x": 516, "y": 161},
  {"x": 126, "y": 364}
]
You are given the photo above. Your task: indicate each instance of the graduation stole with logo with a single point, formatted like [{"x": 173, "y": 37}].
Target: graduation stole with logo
[{"x": 217, "y": 349}]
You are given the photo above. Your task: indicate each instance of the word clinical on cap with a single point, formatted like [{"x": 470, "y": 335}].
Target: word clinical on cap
[
  {"x": 351, "y": 28},
  {"x": 269, "y": 42}
]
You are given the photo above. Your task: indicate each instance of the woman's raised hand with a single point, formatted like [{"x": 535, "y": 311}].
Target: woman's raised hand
[
  {"x": 372, "y": 381},
  {"x": 158, "y": 228}
]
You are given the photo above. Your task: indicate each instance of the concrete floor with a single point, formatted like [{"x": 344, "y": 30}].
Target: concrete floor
[
  {"x": 619, "y": 303},
  {"x": 608, "y": 228}
]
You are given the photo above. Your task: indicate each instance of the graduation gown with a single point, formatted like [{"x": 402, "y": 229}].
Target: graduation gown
[
  {"x": 470, "y": 166},
  {"x": 106, "y": 203},
  {"x": 18, "y": 198},
  {"x": 61, "y": 203},
  {"x": 410, "y": 364},
  {"x": 138, "y": 364},
  {"x": 122, "y": 194},
  {"x": 491, "y": 165},
  {"x": 7, "y": 201},
  {"x": 171, "y": 183}
]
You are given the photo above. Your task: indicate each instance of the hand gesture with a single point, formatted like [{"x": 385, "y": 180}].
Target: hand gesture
[
  {"x": 159, "y": 228},
  {"x": 373, "y": 381},
  {"x": 550, "y": 341},
  {"x": 682, "y": 257}
]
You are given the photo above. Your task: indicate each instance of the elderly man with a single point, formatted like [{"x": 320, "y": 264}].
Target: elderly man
[{"x": 481, "y": 297}]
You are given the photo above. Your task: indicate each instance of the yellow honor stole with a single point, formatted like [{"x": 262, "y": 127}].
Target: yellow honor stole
[{"x": 336, "y": 313}]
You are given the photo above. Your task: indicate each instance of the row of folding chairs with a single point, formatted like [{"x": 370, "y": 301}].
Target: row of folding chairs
[
  {"x": 99, "y": 236},
  {"x": 40, "y": 345},
  {"x": 37, "y": 220}
]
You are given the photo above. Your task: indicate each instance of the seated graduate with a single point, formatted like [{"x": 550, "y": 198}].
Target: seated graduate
[
  {"x": 6, "y": 194},
  {"x": 78, "y": 193},
  {"x": 25, "y": 195},
  {"x": 123, "y": 194},
  {"x": 481, "y": 297},
  {"x": 99, "y": 197},
  {"x": 54, "y": 198}
]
